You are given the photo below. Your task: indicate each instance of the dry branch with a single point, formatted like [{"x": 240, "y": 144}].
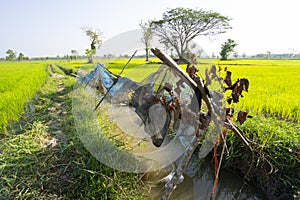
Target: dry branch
[{"x": 198, "y": 86}]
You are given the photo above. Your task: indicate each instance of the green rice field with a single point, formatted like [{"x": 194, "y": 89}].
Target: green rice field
[
  {"x": 19, "y": 82},
  {"x": 273, "y": 83},
  {"x": 272, "y": 100},
  {"x": 274, "y": 86}
]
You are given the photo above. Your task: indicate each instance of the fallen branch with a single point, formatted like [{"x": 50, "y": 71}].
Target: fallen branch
[
  {"x": 198, "y": 86},
  {"x": 213, "y": 115}
]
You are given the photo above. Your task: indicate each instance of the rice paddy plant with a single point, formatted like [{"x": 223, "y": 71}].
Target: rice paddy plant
[{"x": 19, "y": 81}]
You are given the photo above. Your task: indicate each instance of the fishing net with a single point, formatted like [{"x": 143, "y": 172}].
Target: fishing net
[{"x": 162, "y": 109}]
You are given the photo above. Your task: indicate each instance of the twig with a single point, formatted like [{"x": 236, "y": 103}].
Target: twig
[
  {"x": 213, "y": 195},
  {"x": 115, "y": 82},
  {"x": 233, "y": 127}
]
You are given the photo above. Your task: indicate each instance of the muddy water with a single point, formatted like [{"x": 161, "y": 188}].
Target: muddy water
[{"x": 198, "y": 183}]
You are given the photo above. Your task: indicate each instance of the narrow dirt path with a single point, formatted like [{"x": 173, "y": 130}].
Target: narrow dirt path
[
  {"x": 58, "y": 112},
  {"x": 54, "y": 111}
]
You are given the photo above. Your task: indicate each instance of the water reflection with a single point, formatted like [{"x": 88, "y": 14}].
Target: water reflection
[{"x": 198, "y": 184}]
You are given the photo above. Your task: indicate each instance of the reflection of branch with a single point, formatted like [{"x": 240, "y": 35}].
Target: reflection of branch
[
  {"x": 204, "y": 95},
  {"x": 171, "y": 185}
]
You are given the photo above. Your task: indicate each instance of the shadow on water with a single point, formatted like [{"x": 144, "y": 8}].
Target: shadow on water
[{"x": 198, "y": 183}]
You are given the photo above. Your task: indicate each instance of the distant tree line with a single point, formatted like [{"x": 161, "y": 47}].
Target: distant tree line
[
  {"x": 12, "y": 55},
  {"x": 270, "y": 55}
]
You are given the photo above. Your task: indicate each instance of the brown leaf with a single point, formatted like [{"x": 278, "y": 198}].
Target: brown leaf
[
  {"x": 192, "y": 71},
  {"x": 228, "y": 78},
  {"x": 168, "y": 87},
  {"x": 233, "y": 86},
  {"x": 229, "y": 100},
  {"x": 239, "y": 89},
  {"x": 219, "y": 68},
  {"x": 244, "y": 83},
  {"x": 242, "y": 116},
  {"x": 235, "y": 95},
  {"x": 205, "y": 120}
]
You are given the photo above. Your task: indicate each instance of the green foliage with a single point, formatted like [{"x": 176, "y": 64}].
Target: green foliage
[
  {"x": 74, "y": 54},
  {"x": 29, "y": 170},
  {"x": 273, "y": 102},
  {"x": 22, "y": 57},
  {"x": 11, "y": 55},
  {"x": 90, "y": 54},
  {"x": 95, "y": 38},
  {"x": 180, "y": 26},
  {"x": 227, "y": 48}
]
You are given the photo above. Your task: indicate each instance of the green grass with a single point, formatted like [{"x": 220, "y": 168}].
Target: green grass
[
  {"x": 19, "y": 81},
  {"x": 274, "y": 103},
  {"x": 277, "y": 141},
  {"x": 272, "y": 82}
]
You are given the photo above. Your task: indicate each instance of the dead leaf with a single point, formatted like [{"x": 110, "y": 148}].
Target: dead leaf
[
  {"x": 229, "y": 100},
  {"x": 191, "y": 70},
  {"x": 242, "y": 116},
  {"x": 235, "y": 96},
  {"x": 167, "y": 87},
  {"x": 244, "y": 83},
  {"x": 227, "y": 79}
]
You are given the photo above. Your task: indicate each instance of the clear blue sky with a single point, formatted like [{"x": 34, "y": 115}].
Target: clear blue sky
[{"x": 52, "y": 27}]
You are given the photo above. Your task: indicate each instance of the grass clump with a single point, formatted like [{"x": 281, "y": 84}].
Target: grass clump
[{"x": 275, "y": 141}]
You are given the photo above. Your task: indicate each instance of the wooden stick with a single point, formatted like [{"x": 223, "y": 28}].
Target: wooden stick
[
  {"x": 115, "y": 82},
  {"x": 197, "y": 86},
  {"x": 171, "y": 63}
]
